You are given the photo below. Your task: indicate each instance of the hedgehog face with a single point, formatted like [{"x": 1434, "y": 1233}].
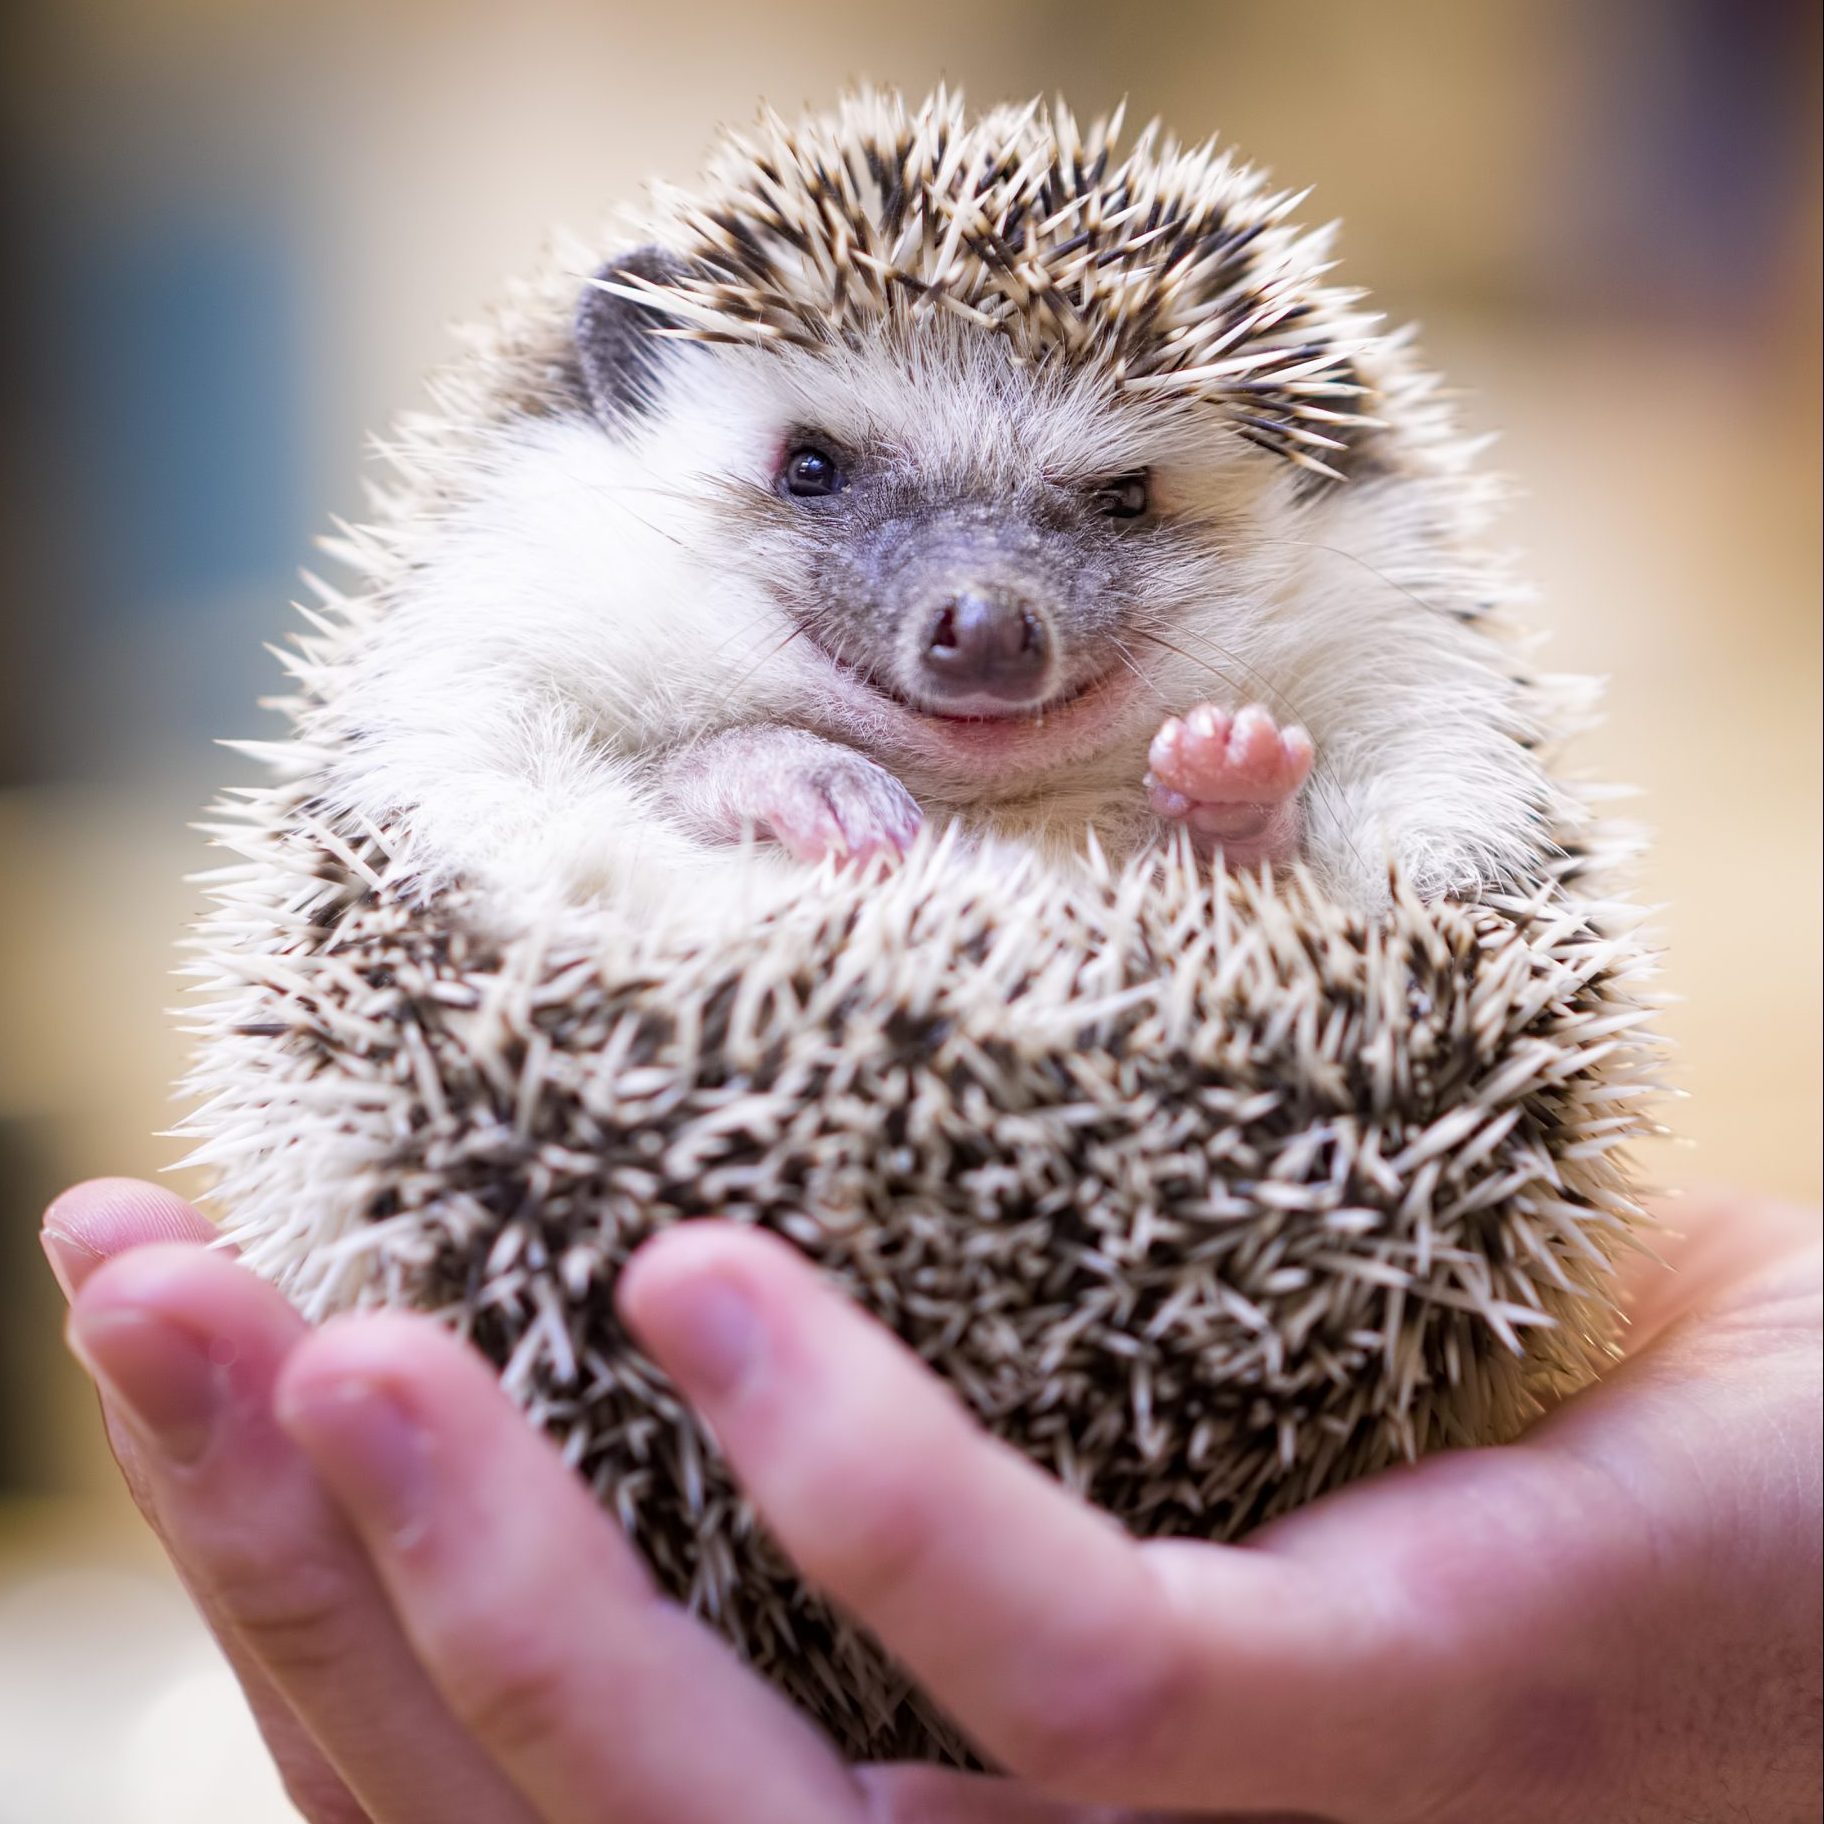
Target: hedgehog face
[
  {"x": 968, "y": 540},
  {"x": 982, "y": 542},
  {"x": 997, "y": 566},
  {"x": 1003, "y": 427}
]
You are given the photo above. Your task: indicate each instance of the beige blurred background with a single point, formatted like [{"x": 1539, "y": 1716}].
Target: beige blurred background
[{"x": 238, "y": 233}]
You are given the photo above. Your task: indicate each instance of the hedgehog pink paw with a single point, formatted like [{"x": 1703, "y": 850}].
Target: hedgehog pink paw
[
  {"x": 1233, "y": 781},
  {"x": 848, "y": 808},
  {"x": 812, "y": 797}
]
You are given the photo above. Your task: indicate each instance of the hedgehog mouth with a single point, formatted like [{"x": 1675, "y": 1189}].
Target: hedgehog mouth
[
  {"x": 1073, "y": 724},
  {"x": 1016, "y": 714},
  {"x": 1008, "y": 715}
]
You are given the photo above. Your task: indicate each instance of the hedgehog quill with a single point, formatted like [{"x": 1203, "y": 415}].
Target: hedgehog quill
[{"x": 943, "y": 694}]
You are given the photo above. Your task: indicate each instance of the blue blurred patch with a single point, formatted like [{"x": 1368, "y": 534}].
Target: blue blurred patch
[
  {"x": 185, "y": 348},
  {"x": 177, "y": 378}
]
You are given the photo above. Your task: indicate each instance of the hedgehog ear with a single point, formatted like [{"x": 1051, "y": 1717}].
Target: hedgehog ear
[{"x": 622, "y": 362}]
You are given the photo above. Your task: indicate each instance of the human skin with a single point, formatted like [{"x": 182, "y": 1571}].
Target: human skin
[{"x": 1616, "y": 1618}]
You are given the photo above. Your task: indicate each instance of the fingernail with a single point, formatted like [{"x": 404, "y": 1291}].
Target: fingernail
[
  {"x": 706, "y": 1334},
  {"x": 71, "y": 1261},
  {"x": 166, "y": 1379},
  {"x": 374, "y": 1453}
]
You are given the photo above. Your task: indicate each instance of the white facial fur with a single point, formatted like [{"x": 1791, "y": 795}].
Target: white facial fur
[{"x": 594, "y": 601}]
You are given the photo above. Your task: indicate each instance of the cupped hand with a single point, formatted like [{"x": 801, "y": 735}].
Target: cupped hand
[{"x": 1616, "y": 1618}]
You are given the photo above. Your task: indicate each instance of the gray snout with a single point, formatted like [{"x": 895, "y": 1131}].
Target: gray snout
[{"x": 986, "y": 645}]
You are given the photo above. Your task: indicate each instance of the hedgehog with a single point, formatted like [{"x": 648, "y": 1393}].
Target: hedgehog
[{"x": 942, "y": 693}]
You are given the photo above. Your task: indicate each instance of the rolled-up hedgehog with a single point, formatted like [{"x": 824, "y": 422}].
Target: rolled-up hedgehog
[{"x": 942, "y": 695}]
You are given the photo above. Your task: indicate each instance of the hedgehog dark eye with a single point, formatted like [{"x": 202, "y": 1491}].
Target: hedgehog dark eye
[
  {"x": 810, "y": 473},
  {"x": 1124, "y": 496}
]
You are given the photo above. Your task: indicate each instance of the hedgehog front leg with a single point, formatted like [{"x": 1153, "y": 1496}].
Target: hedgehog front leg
[
  {"x": 1233, "y": 781},
  {"x": 811, "y": 796}
]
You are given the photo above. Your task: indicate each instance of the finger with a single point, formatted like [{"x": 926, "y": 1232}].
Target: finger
[
  {"x": 89, "y": 1224},
  {"x": 85, "y": 1226},
  {"x": 531, "y": 1611},
  {"x": 94, "y": 1221},
  {"x": 1092, "y": 1666},
  {"x": 934, "y": 1795},
  {"x": 310, "y": 1780},
  {"x": 186, "y": 1346}
]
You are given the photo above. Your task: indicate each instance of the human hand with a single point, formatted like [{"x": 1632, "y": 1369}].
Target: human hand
[{"x": 1615, "y": 1618}]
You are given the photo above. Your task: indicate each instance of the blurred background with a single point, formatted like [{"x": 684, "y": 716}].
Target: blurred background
[{"x": 236, "y": 233}]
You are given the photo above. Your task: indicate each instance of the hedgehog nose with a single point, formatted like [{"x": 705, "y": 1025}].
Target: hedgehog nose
[{"x": 986, "y": 644}]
